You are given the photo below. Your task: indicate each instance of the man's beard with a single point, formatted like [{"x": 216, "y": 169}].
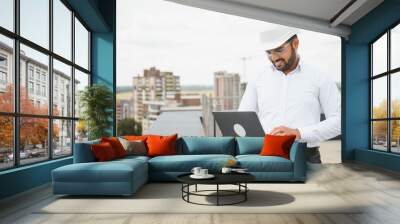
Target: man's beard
[{"x": 289, "y": 64}]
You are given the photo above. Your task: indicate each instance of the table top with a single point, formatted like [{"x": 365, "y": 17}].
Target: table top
[{"x": 220, "y": 178}]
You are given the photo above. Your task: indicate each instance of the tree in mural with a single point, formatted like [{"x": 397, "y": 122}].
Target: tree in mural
[
  {"x": 81, "y": 130},
  {"x": 129, "y": 126},
  {"x": 6, "y": 122},
  {"x": 395, "y": 123},
  {"x": 380, "y": 127},
  {"x": 6, "y": 132},
  {"x": 33, "y": 131}
]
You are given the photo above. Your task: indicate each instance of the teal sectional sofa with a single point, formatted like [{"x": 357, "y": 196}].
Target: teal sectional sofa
[{"x": 125, "y": 176}]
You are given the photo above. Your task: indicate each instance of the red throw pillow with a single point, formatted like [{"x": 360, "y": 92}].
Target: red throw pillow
[
  {"x": 277, "y": 145},
  {"x": 103, "y": 152},
  {"x": 161, "y": 145},
  {"x": 116, "y": 145}
]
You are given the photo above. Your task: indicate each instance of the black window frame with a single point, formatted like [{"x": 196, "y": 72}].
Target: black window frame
[
  {"x": 16, "y": 114},
  {"x": 388, "y": 74}
]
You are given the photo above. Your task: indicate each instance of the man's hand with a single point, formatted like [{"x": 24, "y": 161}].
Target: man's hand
[{"x": 282, "y": 130}]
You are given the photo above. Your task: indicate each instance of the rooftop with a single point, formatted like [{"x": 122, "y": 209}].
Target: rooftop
[{"x": 184, "y": 123}]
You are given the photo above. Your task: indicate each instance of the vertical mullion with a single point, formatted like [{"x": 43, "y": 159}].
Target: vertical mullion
[
  {"x": 371, "y": 103},
  {"x": 114, "y": 116},
  {"x": 89, "y": 53},
  {"x": 73, "y": 82},
  {"x": 389, "y": 105},
  {"x": 16, "y": 83},
  {"x": 50, "y": 81}
]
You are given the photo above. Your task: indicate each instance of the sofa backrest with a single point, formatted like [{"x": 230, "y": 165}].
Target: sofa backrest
[
  {"x": 206, "y": 145},
  {"x": 190, "y": 146},
  {"x": 83, "y": 152},
  {"x": 249, "y": 145}
]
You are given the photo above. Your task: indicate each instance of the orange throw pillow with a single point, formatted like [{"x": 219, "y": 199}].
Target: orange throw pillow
[
  {"x": 276, "y": 145},
  {"x": 116, "y": 145},
  {"x": 103, "y": 152},
  {"x": 161, "y": 145}
]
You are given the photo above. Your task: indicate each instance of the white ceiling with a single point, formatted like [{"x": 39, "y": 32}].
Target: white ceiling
[
  {"x": 320, "y": 9},
  {"x": 315, "y": 15}
]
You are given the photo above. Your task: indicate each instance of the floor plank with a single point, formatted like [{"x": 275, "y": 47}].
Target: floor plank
[{"x": 376, "y": 189}]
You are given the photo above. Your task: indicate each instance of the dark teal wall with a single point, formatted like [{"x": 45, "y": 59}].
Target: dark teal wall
[
  {"x": 102, "y": 58},
  {"x": 100, "y": 17},
  {"x": 95, "y": 13},
  {"x": 356, "y": 102},
  {"x": 103, "y": 66},
  {"x": 355, "y": 55},
  {"x": 24, "y": 178},
  {"x": 103, "y": 53},
  {"x": 380, "y": 159}
]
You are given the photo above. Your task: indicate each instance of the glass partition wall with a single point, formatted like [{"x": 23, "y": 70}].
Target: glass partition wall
[{"x": 44, "y": 64}]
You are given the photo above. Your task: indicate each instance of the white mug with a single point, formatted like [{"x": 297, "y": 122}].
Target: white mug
[
  {"x": 196, "y": 170},
  {"x": 203, "y": 172},
  {"x": 226, "y": 170}
]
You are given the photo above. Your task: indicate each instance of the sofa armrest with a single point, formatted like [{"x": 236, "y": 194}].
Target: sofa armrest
[
  {"x": 298, "y": 157},
  {"x": 83, "y": 152}
]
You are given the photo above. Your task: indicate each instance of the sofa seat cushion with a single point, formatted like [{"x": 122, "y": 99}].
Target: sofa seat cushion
[
  {"x": 133, "y": 158},
  {"x": 257, "y": 163},
  {"x": 112, "y": 171},
  {"x": 185, "y": 163}
]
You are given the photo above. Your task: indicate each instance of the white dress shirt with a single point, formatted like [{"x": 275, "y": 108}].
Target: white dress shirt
[{"x": 295, "y": 100}]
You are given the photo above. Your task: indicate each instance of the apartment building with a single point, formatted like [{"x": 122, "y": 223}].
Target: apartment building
[
  {"x": 151, "y": 90},
  {"x": 227, "y": 90},
  {"x": 34, "y": 80}
]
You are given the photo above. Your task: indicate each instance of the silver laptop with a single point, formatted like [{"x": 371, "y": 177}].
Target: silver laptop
[{"x": 239, "y": 124}]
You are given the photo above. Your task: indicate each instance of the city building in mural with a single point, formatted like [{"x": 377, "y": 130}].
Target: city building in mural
[
  {"x": 227, "y": 90},
  {"x": 151, "y": 91}
]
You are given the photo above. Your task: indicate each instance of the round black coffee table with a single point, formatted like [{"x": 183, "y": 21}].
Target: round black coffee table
[{"x": 238, "y": 179}]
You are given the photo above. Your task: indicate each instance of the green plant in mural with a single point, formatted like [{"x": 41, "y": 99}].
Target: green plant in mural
[
  {"x": 96, "y": 102},
  {"x": 129, "y": 126}
]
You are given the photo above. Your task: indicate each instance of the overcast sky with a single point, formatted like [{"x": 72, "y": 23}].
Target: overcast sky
[{"x": 194, "y": 43}]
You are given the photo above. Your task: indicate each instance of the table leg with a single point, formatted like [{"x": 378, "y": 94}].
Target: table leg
[
  {"x": 217, "y": 194},
  {"x": 245, "y": 193},
  {"x": 188, "y": 190},
  {"x": 182, "y": 190}
]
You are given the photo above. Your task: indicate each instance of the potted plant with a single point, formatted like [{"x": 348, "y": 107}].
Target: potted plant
[{"x": 96, "y": 103}]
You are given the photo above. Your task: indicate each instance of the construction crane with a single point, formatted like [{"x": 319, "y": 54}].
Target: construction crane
[{"x": 244, "y": 60}]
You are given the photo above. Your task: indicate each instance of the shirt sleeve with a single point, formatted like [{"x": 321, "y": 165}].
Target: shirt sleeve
[
  {"x": 249, "y": 99},
  {"x": 329, "y": 98}
]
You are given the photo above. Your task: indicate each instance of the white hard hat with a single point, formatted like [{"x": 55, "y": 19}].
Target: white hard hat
[{"x": 276, "y": 37}]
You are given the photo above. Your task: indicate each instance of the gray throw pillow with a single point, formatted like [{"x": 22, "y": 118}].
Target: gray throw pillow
[{"x": 136, "y": 147}]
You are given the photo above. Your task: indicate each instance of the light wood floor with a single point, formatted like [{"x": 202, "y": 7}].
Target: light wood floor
[{"x": 379, "y": 189}]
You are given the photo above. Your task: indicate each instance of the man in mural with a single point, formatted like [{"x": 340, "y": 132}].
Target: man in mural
[{"x": 290, "y": 95}]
